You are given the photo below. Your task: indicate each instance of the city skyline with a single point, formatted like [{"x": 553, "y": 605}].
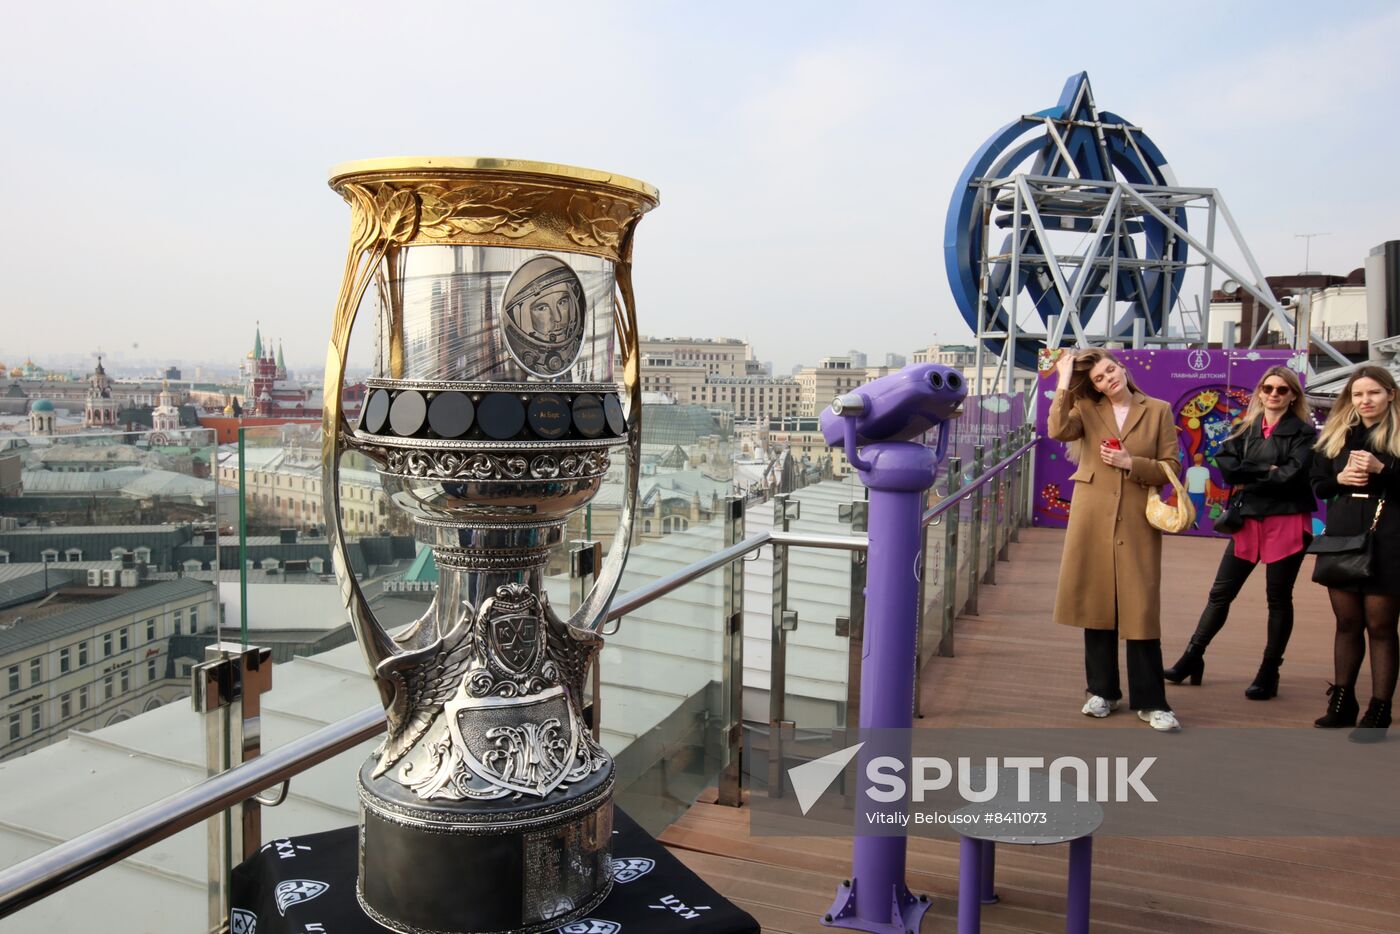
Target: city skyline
[{"x": 803, "y": 185}]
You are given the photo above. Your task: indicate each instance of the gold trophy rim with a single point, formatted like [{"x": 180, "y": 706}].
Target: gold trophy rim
[{"x": 397, "y": 166}]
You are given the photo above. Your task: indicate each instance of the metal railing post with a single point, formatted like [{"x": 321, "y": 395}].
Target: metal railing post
[
  {"x": 974, "y": 571},
  {"x": 785, "y": 510},
  {"x": 950, "y": 562},
  {"x": 1028, "y": 484},
  {"x": 731, "y": 778},
  {"x": 853, "y": 626},
  {"x": 993, "y": 527},
  {"x": 1006, "y": 493},
  {"x": 1018, "y": 499},
  {"x": 227, "y": 689}
]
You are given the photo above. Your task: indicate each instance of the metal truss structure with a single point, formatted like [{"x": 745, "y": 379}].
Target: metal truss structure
[{"x": 1101, "y": 246}]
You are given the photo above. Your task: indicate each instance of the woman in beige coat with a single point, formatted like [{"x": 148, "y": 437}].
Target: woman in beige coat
[{"x": 1111, "y": 571}]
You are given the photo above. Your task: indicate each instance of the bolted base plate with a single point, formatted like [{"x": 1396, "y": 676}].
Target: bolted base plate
[{"x": 906, "y": 911}]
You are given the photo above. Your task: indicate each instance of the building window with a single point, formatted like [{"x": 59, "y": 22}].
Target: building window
[
  {"x": 194, "y": 620},
  {"x": 106, "y": 645},
  {"x": 82, "y": 654},
  {"x": 151, "y": 669},
  {"x": 179, "y": 615},
  {"x": 14, "y": 728},
  {"x": 36, "y": 720},
  {"x": 65, "y": 706},
  {"x": 125, "y": 637},
  {"x": 107, "y": 683},
  {"x": 14, "y": 677},
  {"x": 73, "y": 554},
  {"x": 82, "y": 698},
  {"x": 36, "y": 671},
  {"x": 49, "y": 555},
  {"x": 126, "y": 680},
  {"x": 63, "y": 659},
  {"x": 150, "y": 630},
  {"x": 143, "y": 555}
]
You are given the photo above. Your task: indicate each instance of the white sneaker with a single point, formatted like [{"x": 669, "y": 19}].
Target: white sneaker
[
  {"x": 1163, "y": 720},
  {"x": 1096, "y": 706}
]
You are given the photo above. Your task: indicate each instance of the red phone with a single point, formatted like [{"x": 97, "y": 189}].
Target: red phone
[{"x": 1114, "y": 444}]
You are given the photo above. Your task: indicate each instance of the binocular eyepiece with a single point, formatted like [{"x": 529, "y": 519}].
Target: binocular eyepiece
[{"x": 898, "y": 407}]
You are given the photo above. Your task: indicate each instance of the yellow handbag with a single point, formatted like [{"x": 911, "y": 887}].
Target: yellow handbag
[{"x": 1176, "y": 518}]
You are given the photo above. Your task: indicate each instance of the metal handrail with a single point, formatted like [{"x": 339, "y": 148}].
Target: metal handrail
[
  {"x": 42, "y": 875},
  {"x": 942, "y": 506}
]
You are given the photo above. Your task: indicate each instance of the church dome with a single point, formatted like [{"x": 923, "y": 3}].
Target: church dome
[{"x": 43, "y": 405}]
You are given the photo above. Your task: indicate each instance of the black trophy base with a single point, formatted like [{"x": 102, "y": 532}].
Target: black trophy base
[{"x": 462, "y": 868}]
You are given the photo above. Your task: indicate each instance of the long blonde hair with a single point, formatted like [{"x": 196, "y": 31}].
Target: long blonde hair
[
  {"x": 1384, "y": 438},
  {"x": 1255, "y": 413}
]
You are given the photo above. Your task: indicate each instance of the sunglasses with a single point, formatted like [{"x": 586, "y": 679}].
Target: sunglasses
[{"x": 1274, "y": 390}]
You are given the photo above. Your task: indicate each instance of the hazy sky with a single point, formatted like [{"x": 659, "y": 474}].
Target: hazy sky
[{"x": 164, "y": 167}]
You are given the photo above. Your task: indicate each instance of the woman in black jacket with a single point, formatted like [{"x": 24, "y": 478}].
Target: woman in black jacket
[
  {"x": 1266, "y": 460},
  {"x": 1356, "y": 470}
]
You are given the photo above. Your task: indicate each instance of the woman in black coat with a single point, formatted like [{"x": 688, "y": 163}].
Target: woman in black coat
[
  {"x": 1266, "y": 460},
  {"x": 1356, "y": 470}
]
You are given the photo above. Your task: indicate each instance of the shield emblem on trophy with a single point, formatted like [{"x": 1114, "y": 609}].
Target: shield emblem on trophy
[{"x": 513, "y": 626}]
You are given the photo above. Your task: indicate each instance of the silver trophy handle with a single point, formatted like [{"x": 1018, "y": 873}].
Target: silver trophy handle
[
  {"x": 592, "y": 612},
  {"x": 376, "y": 643}
]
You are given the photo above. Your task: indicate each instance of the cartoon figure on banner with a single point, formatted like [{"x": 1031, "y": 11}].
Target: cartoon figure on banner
[{"x": 1205, "y": 418}]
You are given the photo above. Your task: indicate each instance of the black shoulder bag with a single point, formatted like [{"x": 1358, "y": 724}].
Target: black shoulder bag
[
  {"x": 1346, "y": 560},
  {"x": 1231, "y": 518}
]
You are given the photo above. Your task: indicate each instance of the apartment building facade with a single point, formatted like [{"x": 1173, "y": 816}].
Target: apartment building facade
[
  {"x": 98, "y": 663},
  {"x": 283, "y": 488}
]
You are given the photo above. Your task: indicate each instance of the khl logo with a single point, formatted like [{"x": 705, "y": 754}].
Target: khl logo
[
  {"x": 630, "y": 870},
  {"x": 591, "y": 926},
  {"x": 293, "y": 891},
  {"x": 1198, "y": 359},
  {"x": 243, "y": 921}
]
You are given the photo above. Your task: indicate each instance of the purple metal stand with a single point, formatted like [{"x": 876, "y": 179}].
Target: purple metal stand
[
  {"x": 1081, "y": 861},
  {"x": 897, "y": 473},
  {"x": 977, "y": 883}
]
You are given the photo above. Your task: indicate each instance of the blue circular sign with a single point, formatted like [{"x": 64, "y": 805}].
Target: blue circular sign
[{"x": 1081, "y": 142}]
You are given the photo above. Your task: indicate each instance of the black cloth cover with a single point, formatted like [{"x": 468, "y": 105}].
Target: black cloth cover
[{"x": 302, "y": 885}]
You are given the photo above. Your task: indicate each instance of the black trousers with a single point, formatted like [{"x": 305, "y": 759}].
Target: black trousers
[
  {"x": 1279, "y": 578},
  {"x": 1146, "y": 687}
]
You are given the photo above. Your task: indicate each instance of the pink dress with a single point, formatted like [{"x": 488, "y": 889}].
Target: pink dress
[{"x": 1271, "y": 538}]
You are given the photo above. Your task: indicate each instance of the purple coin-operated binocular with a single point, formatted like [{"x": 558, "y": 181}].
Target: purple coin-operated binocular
[{"x": 876, "y": 425}]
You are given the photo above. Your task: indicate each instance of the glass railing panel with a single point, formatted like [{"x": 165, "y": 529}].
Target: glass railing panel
[
  {"x": 100, "y": 623},
  {"x": 932, "y": 570},
  {"x": 661, "y": 706},
  {"x": 815, "y": 701},
  {"x": 162, "y": 888}
]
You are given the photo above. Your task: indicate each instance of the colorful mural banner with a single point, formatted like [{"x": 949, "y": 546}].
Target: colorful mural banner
[{"x": 1208, "y": 390}]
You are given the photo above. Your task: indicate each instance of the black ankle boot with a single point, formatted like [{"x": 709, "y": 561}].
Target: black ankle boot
[
  {"x": 1341, "y": 710},
  {"x": 1373, "y": 725},
  {"x": 1191, "y": 665},
  {"x": 1265, "y": 684}
]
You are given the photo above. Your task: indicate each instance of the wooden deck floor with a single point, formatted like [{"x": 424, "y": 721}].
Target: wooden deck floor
[{"x": 1013, "y": 667}]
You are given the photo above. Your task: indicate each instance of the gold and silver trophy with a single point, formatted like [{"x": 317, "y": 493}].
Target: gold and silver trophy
[{"x": 506, "y": 383}]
